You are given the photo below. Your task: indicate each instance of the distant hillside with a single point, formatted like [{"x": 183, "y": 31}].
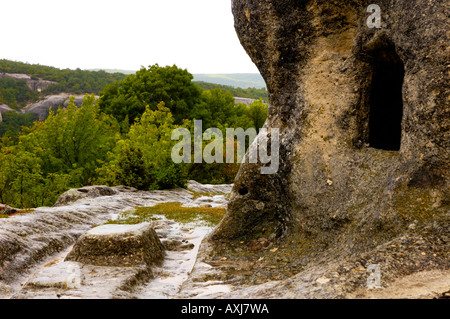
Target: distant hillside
[
  {"x": 245, "y": 85},
  {"x": 23, "y": 83},
  {"x": 241, "y": 80},
  {"x": 248, "y": 93},
  {"x": 237, "y": 80},
  {"x": 126, "y": 72}
]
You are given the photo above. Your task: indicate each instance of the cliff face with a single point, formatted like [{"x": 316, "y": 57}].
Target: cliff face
[
  {"x": 41, "y": 108},
  {"x": 363, "y": 118},
  {"x": 35, "y": 85}
]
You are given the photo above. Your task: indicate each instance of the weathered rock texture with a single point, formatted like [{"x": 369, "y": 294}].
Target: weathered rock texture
[
  {"x": 118, "y": 245},
  {"x": 41, "y": 108},
  {"x": 28, "y": 238},
  {"x": 35, "y": 243},
  {"x": 74, "y": 194},
  {"x": 364, "y": 125},
  {"x": 208, "y": 188}
]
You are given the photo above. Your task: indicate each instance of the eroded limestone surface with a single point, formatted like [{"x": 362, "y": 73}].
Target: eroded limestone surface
[
  {"x": 34, "y": 244},
  {"x": 189, "y": 270},
  {"x": 118, "y": 245},
  {"x": 363, "y": 119}
]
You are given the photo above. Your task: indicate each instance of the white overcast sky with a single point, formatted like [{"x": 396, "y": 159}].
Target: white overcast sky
[{"x": 197, "y": 35}]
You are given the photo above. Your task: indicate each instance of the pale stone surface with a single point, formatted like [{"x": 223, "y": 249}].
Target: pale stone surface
[
  {"x": 118, "y": 245},
  {"x": 34, "y": 245},
  {"x": 53, "y": 102},
  {"x": 61, "y": 275},
  {"x": 349, "y": 182},
  {"x": 27, "y": 239},
  {"x": 72, "y": 195},
  {"x": 187, "y": 271},
  {"x": 208, "y": 188}
]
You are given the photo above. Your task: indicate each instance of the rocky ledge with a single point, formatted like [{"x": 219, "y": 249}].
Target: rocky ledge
[
  {"x": 70, "y": 251},
  {"x": 67, "y": 251},
  {"x": 118, "y": 245}
]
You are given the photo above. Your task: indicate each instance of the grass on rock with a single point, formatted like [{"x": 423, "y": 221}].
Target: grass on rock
[{"x": 174, "y": 211}]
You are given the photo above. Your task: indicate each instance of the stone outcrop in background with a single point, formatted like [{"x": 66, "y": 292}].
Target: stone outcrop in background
[
  {"x": 41, "y": 108},
  {"x": 35, "y": 85},
  {"x": 363, "y": 115}
]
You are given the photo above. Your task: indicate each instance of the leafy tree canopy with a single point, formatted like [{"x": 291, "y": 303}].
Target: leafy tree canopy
[
  {"x": 250, "y": 93},
  {"x": 63, "y": 151},
  {"x": 15, "y": 93},
  {"x": 149, "y": 87},
  {"x": 142, "y": 158},
  {"x": 67, "y": 80}
]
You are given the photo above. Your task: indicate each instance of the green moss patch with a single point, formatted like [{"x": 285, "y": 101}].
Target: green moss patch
[{"x": 174, "y": 211}]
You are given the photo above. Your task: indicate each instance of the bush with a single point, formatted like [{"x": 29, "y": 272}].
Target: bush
[
  {"x": 132, "y": 170},
  {"x": 149, "y": 87},
  {"x": 62, "y": 152},
  {"x": 143, "y": 158}
]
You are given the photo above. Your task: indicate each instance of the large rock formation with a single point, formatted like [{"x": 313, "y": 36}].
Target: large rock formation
[
  {"x": 118, "y": 245},
  {"x": 41, "y": 108},
  {"x": 363, "y": 115}
]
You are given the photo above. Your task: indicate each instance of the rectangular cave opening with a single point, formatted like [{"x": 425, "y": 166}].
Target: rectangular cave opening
[{"x": 386, "y": 100}]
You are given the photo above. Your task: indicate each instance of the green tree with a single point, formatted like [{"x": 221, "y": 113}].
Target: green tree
[
  {"x": 219, "y": 109},
  {"x": 62, "y": 152},
  {"x": 15, "y": 93},
  {"x": 73, "y": 140},
  {"x": 7, "y": 173},
  {"x": 22, "y": 183},
  {"x": 27, "y": 173},
  {"x": 132, "y": 169},
  {"x": 70, "y": 81},
  {"x": 257, "y": 113},
  {"x": 149, "y": 87},
  {"x": 250, "y": 93},
  {"x": 143, "y": 158},
  {"x": 14, "y": 121}
]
